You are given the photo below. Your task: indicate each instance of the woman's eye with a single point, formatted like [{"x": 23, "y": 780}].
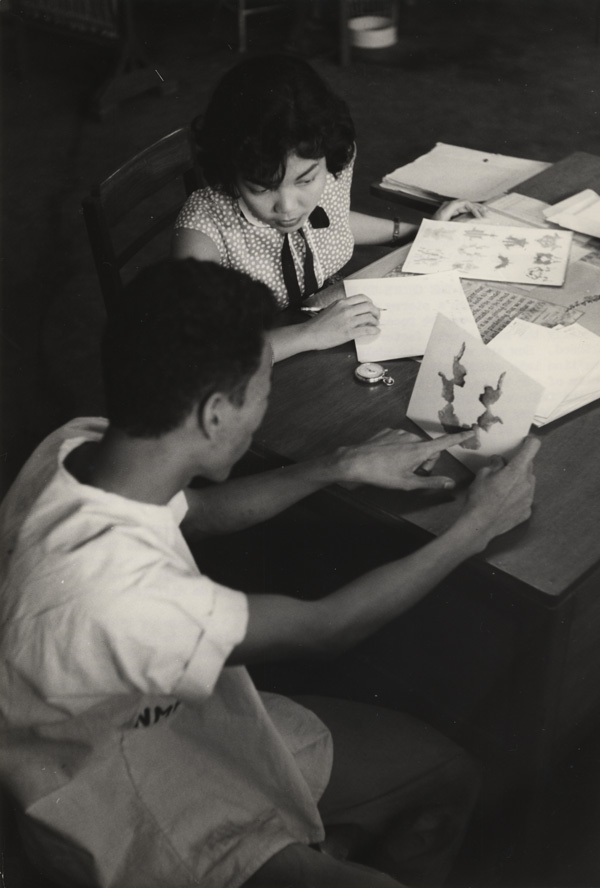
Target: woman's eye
[
  {"x": 255, "y": 187},
  {"x": 307, "y": 181}
]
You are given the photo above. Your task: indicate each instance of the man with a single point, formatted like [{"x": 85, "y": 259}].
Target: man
[{"x": 135, "y": 743}]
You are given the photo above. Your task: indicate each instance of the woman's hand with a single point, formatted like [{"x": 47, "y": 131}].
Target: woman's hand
[
  {"x": 343, "y": 320},
  {"x": 452, "y": 208}
]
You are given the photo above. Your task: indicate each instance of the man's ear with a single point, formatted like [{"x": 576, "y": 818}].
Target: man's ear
[{"x": 212, "y": 415}]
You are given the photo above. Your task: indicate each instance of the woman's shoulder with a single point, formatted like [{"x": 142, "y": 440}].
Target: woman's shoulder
[
  {"x": 207, "y": 205},
  {"x": 346, "y": 174},
  {"x": 343, "y": 180}
]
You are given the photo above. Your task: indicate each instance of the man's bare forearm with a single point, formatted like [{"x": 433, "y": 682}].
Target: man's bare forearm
[
  {"x": 388, "y": 459},
  {"x": 244, "y": 502}
]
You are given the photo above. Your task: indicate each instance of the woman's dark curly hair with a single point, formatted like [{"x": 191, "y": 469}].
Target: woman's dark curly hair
[
  {"x": 263, "y": 109},
  {"x": 185, "y": 329}
]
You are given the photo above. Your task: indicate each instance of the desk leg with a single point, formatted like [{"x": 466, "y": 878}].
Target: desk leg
[
  {"x": 344, "y": 36},
  {"x": 538, "y": 687}
]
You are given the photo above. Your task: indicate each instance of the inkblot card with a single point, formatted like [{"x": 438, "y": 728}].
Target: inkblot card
[
  {"x": 534, "y": 256},
  {"x": 463, "y": 384}
]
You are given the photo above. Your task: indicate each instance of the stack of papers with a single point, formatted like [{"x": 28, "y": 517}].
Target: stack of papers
[
  {"x": 564, "y": 360},
  {"x": 448, "y": 171},
  {"x": 581, "y": 212}
]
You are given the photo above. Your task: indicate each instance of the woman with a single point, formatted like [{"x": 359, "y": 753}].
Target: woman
[{"x": 277, "y": 149}]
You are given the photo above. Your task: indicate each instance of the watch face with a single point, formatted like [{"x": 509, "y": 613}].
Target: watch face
[{"x": 369, "y": 372}]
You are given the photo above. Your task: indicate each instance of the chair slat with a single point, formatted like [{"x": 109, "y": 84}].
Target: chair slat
[
  {"x": 145, "y": 174},
  {"x": 142, "y": 177},
  {"x": 155, "y": 229}
]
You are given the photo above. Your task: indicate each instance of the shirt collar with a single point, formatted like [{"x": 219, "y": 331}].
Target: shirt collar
[{"x": 249, "y": 215}]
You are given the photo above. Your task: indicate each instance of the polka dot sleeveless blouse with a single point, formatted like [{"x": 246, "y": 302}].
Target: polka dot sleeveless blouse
[{"x": 255, "y": 248}]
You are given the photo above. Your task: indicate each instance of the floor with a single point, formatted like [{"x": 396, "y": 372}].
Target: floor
[{"x": 520, "y": 77}]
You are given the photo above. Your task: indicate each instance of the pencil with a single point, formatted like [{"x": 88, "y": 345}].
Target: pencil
[{"x": 321, "y": 307}]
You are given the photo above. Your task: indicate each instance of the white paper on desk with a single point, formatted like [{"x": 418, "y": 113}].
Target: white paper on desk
[
  {"x": 556, "y": 357},
  {"x": 452, "y": 171},
  {"x": 464, "y": 384},
  {"x": 581, "y": 212},
  {"x": 410, "y": 306},
  {"x": 490, "y": 252},
  {"x": 514, "y": 207},
  {"x": 586, "y": 391}
]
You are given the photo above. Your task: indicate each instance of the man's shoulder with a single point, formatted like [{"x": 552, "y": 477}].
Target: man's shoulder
[
  {"x": 42, "y": 508},
  {"x": 40, "y": 470},
  {"x": 77, "y": 547}
]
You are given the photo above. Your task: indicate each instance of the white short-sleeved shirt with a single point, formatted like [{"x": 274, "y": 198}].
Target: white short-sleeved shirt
[
  {"x": 251, "y": 246},
  {"x": 137, "y": 756}
]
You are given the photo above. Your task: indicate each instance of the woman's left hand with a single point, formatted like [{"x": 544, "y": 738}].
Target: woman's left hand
[{"x": 452, "y": 208}]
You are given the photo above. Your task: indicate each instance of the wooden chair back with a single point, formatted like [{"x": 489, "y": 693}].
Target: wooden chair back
[{"x": 135, "y": 204}]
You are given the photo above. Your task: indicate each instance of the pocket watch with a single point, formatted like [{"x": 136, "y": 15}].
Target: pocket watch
[{"x": 372, "y": 373}]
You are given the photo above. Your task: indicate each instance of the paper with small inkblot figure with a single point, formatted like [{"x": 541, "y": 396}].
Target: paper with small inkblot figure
[
  {"x": 409, "y": 309},
  {"x": 462, "y": 384},
  {"x": 533, "y": 256}
]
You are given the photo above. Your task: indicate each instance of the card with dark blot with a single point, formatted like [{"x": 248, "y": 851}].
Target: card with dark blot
[{"x": 462, "y": 384}]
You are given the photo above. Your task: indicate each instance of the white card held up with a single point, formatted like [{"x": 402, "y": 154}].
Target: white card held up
[
  {"x": 491, "y": 252},
  {"x": 409, "y": 309},
  {"x": 463, "y": 384}
]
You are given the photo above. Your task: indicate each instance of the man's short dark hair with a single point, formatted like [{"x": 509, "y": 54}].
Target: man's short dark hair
[
  {"x": 263, "y": 109},
  {"x": 185, "y": 330}
]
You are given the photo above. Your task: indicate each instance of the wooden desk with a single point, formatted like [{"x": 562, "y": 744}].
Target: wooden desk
[{"x": 506, "y": 655}]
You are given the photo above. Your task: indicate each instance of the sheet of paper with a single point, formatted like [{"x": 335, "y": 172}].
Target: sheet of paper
[
  {"x": 531, "y": 213},
  {"x": 409, "y": 309},
  {"x": 581, "y": 212},
  {"x": 490, "y": 252},
  {"x": 586, "y": 391},
  {"x": 464, "y": 384},
  {"x": 494, "y": 307},
  {"x": 514, "y": 207},
  {"x": 557, "y": 358},
  {"x": 452, "y": 171}
]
